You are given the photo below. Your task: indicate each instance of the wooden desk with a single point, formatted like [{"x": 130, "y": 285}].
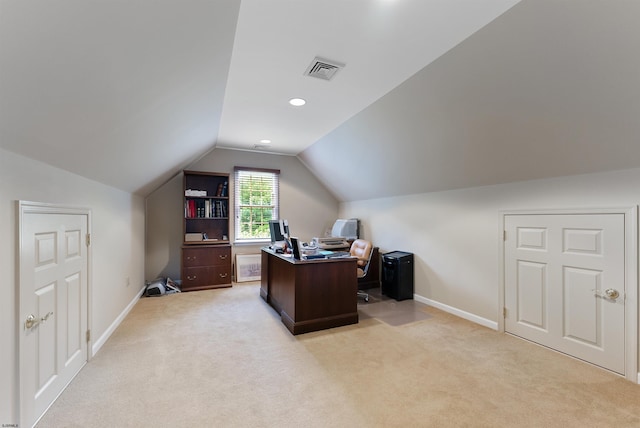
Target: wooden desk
[{"x": 310, "y": 295}]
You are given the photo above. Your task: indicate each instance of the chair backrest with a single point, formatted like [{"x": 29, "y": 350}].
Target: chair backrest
[{"x": 362, "y": 249}]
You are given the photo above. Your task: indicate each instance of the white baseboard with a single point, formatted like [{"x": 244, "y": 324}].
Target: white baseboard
[
  {"x": 105, "y": 336},
  {"x": 457, "y": 312}
]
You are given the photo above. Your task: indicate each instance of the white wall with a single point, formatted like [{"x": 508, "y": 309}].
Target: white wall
[
  {"x": 455, "y": 235},
  {"x": 304, "y": 201},
  {"x": 117, "y": 253}
]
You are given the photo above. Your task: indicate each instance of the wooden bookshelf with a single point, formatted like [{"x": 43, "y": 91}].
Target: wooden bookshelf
[{"x": 206, "y": 251}]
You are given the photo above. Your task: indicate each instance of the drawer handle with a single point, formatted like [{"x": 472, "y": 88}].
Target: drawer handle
[
  {"x": 191, "y": 257},
  {"x": 191, "y": 278},
  {"x": 222, "y": 256},
  {"x": 223, "y": 275}
]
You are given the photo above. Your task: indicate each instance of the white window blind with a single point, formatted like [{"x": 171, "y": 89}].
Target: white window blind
[{"x": 256, "y": 202}]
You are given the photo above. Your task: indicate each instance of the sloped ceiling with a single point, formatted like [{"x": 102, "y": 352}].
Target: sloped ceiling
[
  {"x": 128, "y": 92},
  {"x": 124, "y": 92},
  {"x": 550, "y": 88}
]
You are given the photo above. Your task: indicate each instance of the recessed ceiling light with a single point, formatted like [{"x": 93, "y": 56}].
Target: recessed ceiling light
[
  {"x": 265, "y": 141},
  {"x": 297, "y": 102}
]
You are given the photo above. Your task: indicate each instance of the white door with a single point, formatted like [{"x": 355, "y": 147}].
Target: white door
[
  {"x": 53, "y": 306},
  {"x": 565, "y": 284}
]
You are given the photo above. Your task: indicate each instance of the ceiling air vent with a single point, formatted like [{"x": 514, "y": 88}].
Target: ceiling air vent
[
  {"x": 261, "y": 147},
  {"x": 323, "y": 68}
]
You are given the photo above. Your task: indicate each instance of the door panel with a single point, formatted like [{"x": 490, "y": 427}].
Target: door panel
[
  {"x": 531, "y": 292},
  {"x": 45, "y": 337},
  {"x": 557, "y": 270},
  {"x": 581, "y": 311},
  {"x": 53, "y": 291}
]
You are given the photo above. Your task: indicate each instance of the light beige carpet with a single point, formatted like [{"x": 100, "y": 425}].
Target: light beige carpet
[{"x": 222, "y": 358}]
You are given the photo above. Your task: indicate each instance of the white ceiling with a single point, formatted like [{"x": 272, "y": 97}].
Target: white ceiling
[
  {"x": 435, "y": 94},
  {"x": 382, "y": 43},
  {"x": 129, "y": 92}
]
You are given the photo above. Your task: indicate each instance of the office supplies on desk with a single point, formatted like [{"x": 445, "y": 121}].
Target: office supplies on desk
[
  {"x": 278, "y": 246},
  {"x": 335, "y": 254},
  {"x": 309, "y": 246},
  {"x": 327, "y": 254},
  {"x": 315, "y": 256}
]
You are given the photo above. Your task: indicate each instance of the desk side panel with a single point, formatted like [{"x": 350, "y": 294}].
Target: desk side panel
[
  {"x": 326, "y": 296},
  {"x": 264, "y": 276},
  {"x": 281, "y": 282},
  {"x": 326, "y": 289}
]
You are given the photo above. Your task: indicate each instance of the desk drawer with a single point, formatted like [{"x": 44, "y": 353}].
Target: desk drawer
[
  {"x": 203, "y": 276},
  {"x": 206, "y": 267},
  {"x": 208, "y": 256}
]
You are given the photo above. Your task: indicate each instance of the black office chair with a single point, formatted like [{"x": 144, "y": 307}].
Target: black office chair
[{"x": 363, "y": 250}]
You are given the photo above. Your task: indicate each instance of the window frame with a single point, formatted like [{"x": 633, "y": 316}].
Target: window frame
[{"x": 238, "y": 172}]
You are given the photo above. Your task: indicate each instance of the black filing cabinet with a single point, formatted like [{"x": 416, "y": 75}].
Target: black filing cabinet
[{"x": 397, "y": 275}]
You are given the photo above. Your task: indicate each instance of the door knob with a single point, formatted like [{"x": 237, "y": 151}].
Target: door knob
[
  {"x": 611, "y": 293},
  {"x": 32, "y": 321}
]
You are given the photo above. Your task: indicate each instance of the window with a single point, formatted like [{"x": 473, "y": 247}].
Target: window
[{"x": 256, "y": 202}]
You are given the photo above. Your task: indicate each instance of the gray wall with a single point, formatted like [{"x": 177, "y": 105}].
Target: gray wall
[
  {"x": 304, "y": 201},
  {"x": 117, "y": 247},
  {"x": 455, "y": 235}
]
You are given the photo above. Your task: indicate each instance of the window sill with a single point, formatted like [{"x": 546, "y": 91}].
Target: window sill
[{"x": 246, "y": 242}]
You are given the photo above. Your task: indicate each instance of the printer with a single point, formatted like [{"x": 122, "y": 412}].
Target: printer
[
  {"x": 343, "y": 232},
  {"x": 330, "y": 243}
]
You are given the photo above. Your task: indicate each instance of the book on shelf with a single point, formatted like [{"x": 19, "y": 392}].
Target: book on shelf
[
  {"x": 201, "y": 207},
  {"x": 190, "y": 210},
  {"x": 205, "y": 208}
]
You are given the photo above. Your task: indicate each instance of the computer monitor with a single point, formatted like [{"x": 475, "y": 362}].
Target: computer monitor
[
  {"x": 279, "y": 230},
  {"x": 295, "y": 248},
  {"x": 345, "y": 228}
]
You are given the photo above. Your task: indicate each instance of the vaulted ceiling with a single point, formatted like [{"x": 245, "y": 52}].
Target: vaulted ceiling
[{"x": 433, "y": 95}]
